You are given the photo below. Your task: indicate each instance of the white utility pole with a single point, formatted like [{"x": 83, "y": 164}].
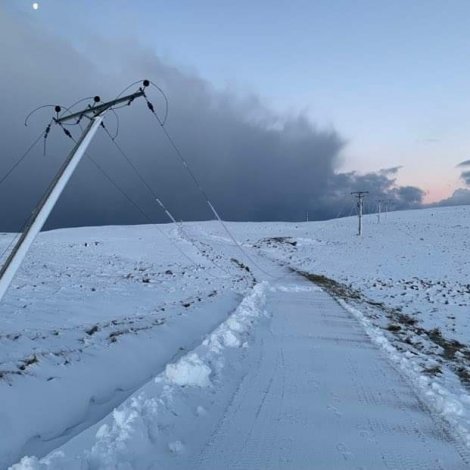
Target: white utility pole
[
  {"x": 360, "y": 195},
  {"x": 46, "y": 204},
  {"x": 379, "y": 204},
  {"x": 387, "y": 207}
]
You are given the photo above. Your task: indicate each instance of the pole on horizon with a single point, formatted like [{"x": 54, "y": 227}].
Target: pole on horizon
[
  {"x": 387, "y": 207},
  {"x": 379, "y": 210},
  {"x": 360, "y": 195}
]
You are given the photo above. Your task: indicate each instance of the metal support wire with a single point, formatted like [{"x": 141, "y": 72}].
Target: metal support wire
[
  {"x": 160, "y": 203},
  {"x": 21, "y": 158},
  {"x": 203, "y": 193},
  {"x": 134, "y": 204}
]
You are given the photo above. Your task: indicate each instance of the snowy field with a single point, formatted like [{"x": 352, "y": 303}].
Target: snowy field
[{"x": 163, "y": 325}]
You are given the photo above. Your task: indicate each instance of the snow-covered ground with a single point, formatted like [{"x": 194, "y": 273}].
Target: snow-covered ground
[
  {"x": 93, "y": 315},
  {"x": 97, "y": 313},
  {"x": 409, "y": 275}
]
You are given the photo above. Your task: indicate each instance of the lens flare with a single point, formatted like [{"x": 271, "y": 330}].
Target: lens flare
[{"x": 35, "y": 5}]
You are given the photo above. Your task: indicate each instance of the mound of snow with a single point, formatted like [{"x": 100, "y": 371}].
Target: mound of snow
[{"x": 189, "y": 371}]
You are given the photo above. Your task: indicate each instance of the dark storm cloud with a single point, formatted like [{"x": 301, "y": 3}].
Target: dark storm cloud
[
  {"x": 460, "y": 197},
  {"x": 465, "y": 176},
  {"x": 254, "y": 164},
  {"x": 379, "y": 186}
]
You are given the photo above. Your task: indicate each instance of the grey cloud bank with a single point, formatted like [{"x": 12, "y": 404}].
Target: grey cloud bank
[
  {"x": 461, "y": 196},
  {"x": 254, "y": 164}
]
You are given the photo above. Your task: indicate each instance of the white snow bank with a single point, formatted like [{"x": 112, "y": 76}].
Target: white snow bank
[
  {"x": 446, "y": 404},
  {"x": 189, "y": 370},
  {"x": 228, "y": 334},
  {"x": 138, "y": 432}
]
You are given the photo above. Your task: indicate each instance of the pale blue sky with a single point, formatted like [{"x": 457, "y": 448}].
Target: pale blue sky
[{"x": 393, "y": 77}]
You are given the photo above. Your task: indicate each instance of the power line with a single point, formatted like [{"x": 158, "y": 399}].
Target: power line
[
  {"x": 43, "y": 134},
  {"x": 201, "y": 190},
  {"x": 183, "y": 160},
  {"x": 184, "y": 234},
  {"x": 21, "y": 158},
  {"x": 132, "y": 202},
  {"x": 148, "y": 219},
  {"x": 129, "y": 161},
  {"x": 100, "y": 108},
  {"x": 158, "y": 200},
  {"x": 161, "y": 123}
]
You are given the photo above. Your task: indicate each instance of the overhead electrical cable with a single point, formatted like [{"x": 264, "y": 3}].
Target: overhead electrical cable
[
  {"x": 159, "y": 202},
  {"x": 137, "y": 207},
  {"x": 9, "y": 172},
  {"x": 61, "y": 119},
  {"x": 202, "y": 192},
  {"x": 22, "y": 157}
]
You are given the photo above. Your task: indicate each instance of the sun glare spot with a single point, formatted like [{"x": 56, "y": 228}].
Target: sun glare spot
[{"x": 35, "y": 5}]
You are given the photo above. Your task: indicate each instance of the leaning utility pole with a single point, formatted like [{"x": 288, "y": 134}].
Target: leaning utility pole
[
  {"x": 360, "y": 195},
  {"x": 41, "y": 212}
]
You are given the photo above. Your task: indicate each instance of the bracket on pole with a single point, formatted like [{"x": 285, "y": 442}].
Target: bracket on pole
[{"x": 100, "y": 108}]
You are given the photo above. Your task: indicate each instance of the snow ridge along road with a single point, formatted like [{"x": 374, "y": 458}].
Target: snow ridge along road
[{"x": 307, "y": 389}]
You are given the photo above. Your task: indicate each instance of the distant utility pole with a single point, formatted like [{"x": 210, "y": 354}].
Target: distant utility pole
[
  {"x": 379, "y": 209},
  {"x": 360, "y": 195},
  {"x": 387, "y": 206}
]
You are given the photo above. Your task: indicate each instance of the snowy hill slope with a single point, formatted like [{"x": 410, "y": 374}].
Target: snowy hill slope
[
  {"x": 93, "y": 314},
  {"x": 96, "y": 312}
]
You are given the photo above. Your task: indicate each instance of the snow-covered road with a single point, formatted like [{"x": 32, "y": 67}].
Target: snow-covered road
[{"x": 318, "y": 394}]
